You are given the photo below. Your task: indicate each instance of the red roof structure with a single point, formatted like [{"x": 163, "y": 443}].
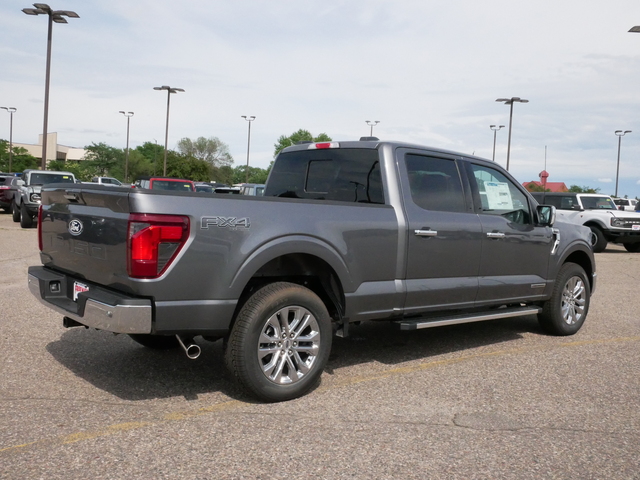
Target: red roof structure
[{"x": 543, "y": 183}]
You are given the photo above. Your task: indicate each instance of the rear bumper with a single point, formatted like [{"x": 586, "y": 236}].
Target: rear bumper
[{"x": 98, "y": 308}]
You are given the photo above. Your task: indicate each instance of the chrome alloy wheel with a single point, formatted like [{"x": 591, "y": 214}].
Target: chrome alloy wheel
[
  {"x": 573, "y": 300},
  {"x": 289, "y": 344}
]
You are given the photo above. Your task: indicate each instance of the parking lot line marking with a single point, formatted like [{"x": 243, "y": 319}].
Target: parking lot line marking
[{"x": 232, "y": 404}]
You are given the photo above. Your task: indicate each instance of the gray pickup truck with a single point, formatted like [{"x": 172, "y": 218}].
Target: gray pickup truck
[
  {"x": 345, "y": 232},
  {"x": 27, "y": 197}
]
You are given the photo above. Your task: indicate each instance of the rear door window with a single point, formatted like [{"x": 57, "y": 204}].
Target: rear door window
[{"x": 435, "y": 183}]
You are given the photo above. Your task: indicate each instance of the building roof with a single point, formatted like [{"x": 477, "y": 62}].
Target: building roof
[{"x": 550, "y": 186}]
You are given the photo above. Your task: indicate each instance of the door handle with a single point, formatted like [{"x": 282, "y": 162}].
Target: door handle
[
  {"x": 495, "y": 235},
  {"x": 426, "y": 233}
]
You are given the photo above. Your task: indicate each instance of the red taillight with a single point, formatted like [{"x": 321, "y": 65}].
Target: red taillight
[
  {"x": 322, "y": 145},
  {"x": 40, "y": 227},
  {"x": 153, "y": 242}
]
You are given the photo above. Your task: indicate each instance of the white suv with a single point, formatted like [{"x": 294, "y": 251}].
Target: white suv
[{"x": 628, "y": 204}]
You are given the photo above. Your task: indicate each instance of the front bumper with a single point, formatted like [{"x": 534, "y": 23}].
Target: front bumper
[{"x": 97, "y": 308}]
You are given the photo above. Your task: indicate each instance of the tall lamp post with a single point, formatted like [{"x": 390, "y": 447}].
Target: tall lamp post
[
  {"x": 56, "y": 16},
  {"x": 620, "y": 134},
  {"x": 169, "y": 90},
  {"x": 495, "y": 130},
  {"x": 372, "y": 124},
  {"x": 126, "y": 155},
  {"x": 510, "y": 102},
  {"x": 248, "y": 119},
  {"x": 11, "y": 110}
]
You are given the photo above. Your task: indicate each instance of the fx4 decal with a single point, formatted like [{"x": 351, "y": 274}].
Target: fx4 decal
[{"x": 231, "y": 222}]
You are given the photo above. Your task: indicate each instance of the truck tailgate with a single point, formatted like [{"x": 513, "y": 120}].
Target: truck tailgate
[{"x": 84, "y": 231}]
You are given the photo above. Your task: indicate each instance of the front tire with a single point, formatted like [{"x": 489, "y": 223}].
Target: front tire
[
  {"x": 15, "y": 213},
  {"x": 280, "y": 342},
  {"x": 632, "y": 247},
  {"x": 566, "y": 310},
  {"x": 26, "y": 221},
  {"x": 599, "y": 242}
]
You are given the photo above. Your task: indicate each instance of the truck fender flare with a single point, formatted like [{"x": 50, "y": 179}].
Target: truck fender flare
[{"x": 293, "y": 244}]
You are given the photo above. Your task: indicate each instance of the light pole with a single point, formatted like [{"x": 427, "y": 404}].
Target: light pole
[
  {"x": 620, "y": 134},
  {"x": 248, "y": 119},
  {"x": 56, "y": 16},
  {"x": 126, "y": 155},
  {"x": 169, "y": 90},
  {"x": 495, "y": 130},
  {"x": 510, "y": 102},
  {"x": 372, "y": 124},
  {"x": 11, "y": 110}
]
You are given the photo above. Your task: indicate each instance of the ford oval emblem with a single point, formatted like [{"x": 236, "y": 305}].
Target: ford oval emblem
[{"x": 75, "y": 227}]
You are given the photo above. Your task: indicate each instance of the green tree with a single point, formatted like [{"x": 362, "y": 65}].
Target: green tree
[
  {"x": 584, "y": 189},
  {"x": 154, "y": 153},
  {"x": 101, "y": 159},
  {"x": 211, "y": 150},
  {"x": 79, "y": 169},
  {"x": 224, "y": 174},
  {"x": 256, "y": 175},
  {"x": 21, "y": 160},
  {"x": 299, "y": 136},
  {"x": 185, "y": 166}
]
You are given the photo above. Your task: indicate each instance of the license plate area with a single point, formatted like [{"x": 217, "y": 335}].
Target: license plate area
[{"x": 79, "y": 288}]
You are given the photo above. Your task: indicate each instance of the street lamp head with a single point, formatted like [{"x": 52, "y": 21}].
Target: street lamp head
[
  {"x": 126, "y": 114},
  {"x": 620, "y": 133},
  {"x": 33, "y": 11},
  {"x": 10, "y": 109},
  {"x": 56, "y": 16},
  {"x": 635, "y": 29},
  {"x": 248, "y": 118},
  {"x": 169, "y": 89},
  {"x": 509, "y": 101}
]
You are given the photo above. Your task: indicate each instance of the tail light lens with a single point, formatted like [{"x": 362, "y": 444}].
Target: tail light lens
[
  {"x": 154, "y": 242},
  {"x": 40, "y": 227}
]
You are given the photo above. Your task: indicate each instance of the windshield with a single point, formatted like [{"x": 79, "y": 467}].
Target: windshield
[
  {"x": 46, "y": 178},
  {"x": 598, "y": 203}
]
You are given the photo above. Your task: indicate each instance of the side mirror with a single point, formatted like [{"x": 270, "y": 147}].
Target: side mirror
[
  {"x": 20, "y": 183},
  {"x": 546, "y": 215}
]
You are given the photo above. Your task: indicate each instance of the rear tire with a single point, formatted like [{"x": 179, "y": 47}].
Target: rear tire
[
  {"x": 26, "y": 221},
  {"x": 280, "y": 342},
  {"x": 632, "y": 247},
  {"x": 599, "y": 242},
  {"x": 566, "y": 310},
  {"x": 15, "y": 213},
  {"x": 155, "y": 342}
]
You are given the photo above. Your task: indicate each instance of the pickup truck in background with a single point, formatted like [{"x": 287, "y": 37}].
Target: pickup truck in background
[
  {"x": 599, "y": 213},
  {"x": 345, "y": 232},
  {"x": 27, "y": 197}
]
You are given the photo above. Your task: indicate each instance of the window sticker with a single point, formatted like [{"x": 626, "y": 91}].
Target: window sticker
[{"x": 498, "y": 196}]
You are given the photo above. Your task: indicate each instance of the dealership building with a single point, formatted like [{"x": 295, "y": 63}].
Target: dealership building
[{"x": 55, "y": 151}]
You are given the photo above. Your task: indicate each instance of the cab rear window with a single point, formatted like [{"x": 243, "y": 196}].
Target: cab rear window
[{"x": 336, "y": 174}]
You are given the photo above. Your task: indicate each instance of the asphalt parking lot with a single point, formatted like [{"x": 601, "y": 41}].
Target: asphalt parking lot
[{"x": 489, "y": 400}]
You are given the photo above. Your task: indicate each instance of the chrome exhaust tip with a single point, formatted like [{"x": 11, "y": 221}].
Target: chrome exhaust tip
[{"x": 190, "y": 348}]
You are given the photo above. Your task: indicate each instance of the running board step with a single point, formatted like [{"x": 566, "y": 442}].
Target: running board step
[{"x": 416, "y": 324}]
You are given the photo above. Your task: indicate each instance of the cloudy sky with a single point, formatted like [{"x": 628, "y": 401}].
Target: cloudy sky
[{"x": 428, "y": 70}]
